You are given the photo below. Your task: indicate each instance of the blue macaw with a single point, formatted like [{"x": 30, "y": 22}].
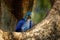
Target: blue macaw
[{"x": 24, "y": 24}]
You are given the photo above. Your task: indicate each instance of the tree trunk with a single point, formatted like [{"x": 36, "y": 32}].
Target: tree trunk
[
  {"x": 52, "y": 2},
  {"x": 48, "y": 29},
  {"x": 8, "y": 20}
]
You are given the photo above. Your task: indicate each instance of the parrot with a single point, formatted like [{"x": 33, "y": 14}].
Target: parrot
[{"x": 25, "y": 23}]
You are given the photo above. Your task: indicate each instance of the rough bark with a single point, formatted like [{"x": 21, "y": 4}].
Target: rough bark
[
  {"x": 48, "y": 29},
  {"x": 52, "y": 2},
  {"x": 7, "y": 19}
]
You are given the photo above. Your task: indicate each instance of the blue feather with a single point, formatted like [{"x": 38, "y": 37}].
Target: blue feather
[
  {"x": 27, "y": 25},
  {"x": 19, "y": 25}
]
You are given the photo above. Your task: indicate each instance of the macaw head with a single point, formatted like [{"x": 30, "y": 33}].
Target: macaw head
[{"x": 28, "y": 15}]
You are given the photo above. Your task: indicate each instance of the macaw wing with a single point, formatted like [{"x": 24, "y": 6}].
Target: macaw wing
[
  {"x": 26, "y": 25},
  {"x": 19, "y": 25}
]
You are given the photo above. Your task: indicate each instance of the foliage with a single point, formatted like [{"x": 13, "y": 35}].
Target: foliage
[{"x": 42, "y": 7}]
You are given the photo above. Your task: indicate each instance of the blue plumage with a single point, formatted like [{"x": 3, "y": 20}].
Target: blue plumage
[
  {"x": 25, "y": 23},
  {"x": 19, "y": 25}
]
